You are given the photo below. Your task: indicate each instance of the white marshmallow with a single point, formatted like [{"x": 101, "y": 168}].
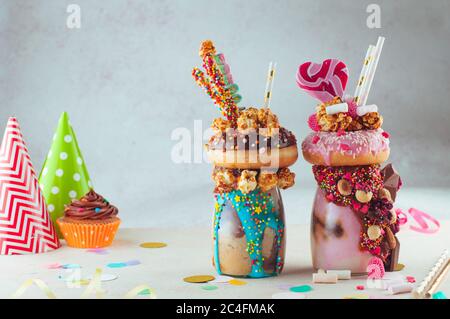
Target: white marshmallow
[
  {"x": 400, "y": 288},
  {"x": 322, "y": 278},
  {"x": 341, "y": 274},
  {"x": 336, "y": 108},
  {"x": 364, "y": 109}
]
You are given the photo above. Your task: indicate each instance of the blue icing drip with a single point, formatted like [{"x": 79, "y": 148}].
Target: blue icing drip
[{"x": 256, "y": 211}]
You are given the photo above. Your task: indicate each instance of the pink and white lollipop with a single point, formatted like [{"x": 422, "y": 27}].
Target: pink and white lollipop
[{"x": 375, "y": 268}]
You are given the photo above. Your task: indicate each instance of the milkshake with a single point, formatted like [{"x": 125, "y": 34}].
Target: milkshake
[
  {"x": 353, "y": 219},
  {"x": 250, "y": 152}
]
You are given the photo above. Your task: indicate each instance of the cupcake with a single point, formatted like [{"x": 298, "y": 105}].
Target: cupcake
[{"x": 90, "y": 222}]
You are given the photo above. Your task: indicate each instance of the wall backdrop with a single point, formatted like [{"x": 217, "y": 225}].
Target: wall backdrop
[{"x": 125, "y": 79}]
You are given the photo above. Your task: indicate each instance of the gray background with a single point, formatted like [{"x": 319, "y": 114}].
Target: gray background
[{"x": 125, "y": 79}]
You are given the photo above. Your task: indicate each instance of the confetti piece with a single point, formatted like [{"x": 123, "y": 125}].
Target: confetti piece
[
  {"x": 439, "y": 295},
  {"x": 288, "y": 295},
  {"x": 199, "y": 279},
  {"x": 237, "y": 282},
  {"x": 144, "y": 292},
  {"x": 123, "y": 264},
  {"x": 303, "y": 288},
  {"x": 410, "y": 279},
  {"x": 357, "y": 296},
  {"x": 221, "y": 279},
  {"x": 360, "y": 287},
  {"x": 133, "y": 262},
  {"x": 209, "y": 287},
  {"x": 54, "y": 266},
  {"x": 106, "y": 277},
  {"x": 99, "y": 251},
  {"x": 399, "y": 267},
  {"x": 116, "y": 265},
  {"x": 70, "y": 266},
  {"x": 153, "y": 245}
]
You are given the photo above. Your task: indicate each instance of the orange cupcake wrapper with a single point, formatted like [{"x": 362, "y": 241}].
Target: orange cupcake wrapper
[{"x": 80, "y": 235}]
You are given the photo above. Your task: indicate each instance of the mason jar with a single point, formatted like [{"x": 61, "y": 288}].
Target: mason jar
[{"x": 249, "y": 233}]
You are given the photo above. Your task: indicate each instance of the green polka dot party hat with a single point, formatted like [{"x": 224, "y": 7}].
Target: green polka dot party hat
[{"x": 64, "y": 175}]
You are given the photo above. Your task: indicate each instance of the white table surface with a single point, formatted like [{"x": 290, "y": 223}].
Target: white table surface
[{"x": 189, "y": 253}]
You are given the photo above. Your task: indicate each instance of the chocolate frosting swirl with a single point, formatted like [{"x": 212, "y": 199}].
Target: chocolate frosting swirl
[{"x": 91, "y": 206}]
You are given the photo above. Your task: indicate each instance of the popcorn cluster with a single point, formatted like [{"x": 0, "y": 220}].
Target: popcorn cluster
[
  {"x": 346, "y": 121},
  {"x": 249, "y": 119},
  {"x": 246, "y": 181}
]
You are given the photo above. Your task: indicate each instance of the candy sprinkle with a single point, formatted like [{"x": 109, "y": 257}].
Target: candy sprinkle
[
  {"x": 198, "y": 279},
  {"x": 153, "y": 245}
]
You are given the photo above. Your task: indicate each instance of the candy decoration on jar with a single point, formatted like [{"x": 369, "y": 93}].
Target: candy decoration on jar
[
  {"x": 353, "y": 218},
  {"x": 251, "y": 153}
]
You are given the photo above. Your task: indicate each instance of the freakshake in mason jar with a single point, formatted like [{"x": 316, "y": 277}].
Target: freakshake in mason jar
[
  {"x": 353, "y": 219},
  {"x": 251, "y": 154}
]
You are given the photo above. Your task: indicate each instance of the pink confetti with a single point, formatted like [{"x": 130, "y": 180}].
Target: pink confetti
[
  {"x": 385, "y": 134},
  {"x": 360, "y": 287},
  {"x": 54, "y": 266},
  {"x": 410, "y": 279}
]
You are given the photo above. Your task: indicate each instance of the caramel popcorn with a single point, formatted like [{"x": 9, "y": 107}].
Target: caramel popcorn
[
  {"x": 248, "y": 119},
  {"x": 247, "y": 181},
  {"x": 220, "y": 125},
  {"x": 286, "y": 178},
  {"x": 267, "y": 181},
  {"x": 372, "y": 121},
  {"x": 333, "y": 122},
  {"x": 225, "y": 180},
  {"x": 267, "y": 120},
  {"x": 207, "y": 47}
]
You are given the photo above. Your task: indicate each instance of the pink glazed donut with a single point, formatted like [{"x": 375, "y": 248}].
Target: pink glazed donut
[{"x": 353, "y": 148}]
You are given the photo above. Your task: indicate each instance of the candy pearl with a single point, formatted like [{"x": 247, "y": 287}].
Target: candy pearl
[
  {"x": 374, "y": 232},
  {"x": 344, "y": 187},
  {"x": 363, "y": 197}
]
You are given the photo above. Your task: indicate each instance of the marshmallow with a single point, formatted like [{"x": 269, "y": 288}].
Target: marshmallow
[
  {"x": 336, "y": 108},
  {"x": 341, "y": 274},
  {"x": 322, "y": 278},
  {"x": 364, "y": 109},
  {"x": 400, "y": 288},
  {"x": 385, "y": 284}
]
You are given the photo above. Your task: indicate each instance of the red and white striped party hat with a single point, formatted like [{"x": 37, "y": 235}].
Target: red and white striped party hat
[{"x": 25, "y": 225}]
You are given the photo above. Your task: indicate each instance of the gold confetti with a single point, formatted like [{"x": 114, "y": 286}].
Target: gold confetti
[
  {"x": 199, "y": 279},
  {"x": 357, "y": 296},
  {"x": 399, "y": 267},
  {"x": 153, "y": 245},
  {"x": 237, "y": 282}
]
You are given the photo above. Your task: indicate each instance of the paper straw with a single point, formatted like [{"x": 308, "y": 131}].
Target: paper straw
[
  {"x": 39, "y": 283},
  {"x": 373, "y": 68},
  {"x": 364, "y": 72},
  {"x": 433, "y": 278},
  {"x": 269, "y": 84}
]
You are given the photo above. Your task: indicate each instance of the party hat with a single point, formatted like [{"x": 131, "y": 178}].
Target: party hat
[
  {"x": 25, "y": 225},
  {"x": 64, "y": 175}
]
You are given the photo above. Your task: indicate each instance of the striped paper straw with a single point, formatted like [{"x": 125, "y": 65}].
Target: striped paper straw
[
  {"x": 269, "y": 84},
  {"x": 373, "y": 68},
  {"x": 364, "y": 72}
]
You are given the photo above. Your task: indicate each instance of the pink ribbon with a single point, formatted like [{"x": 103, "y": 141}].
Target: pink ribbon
[{"x": 420, "y": 217}]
